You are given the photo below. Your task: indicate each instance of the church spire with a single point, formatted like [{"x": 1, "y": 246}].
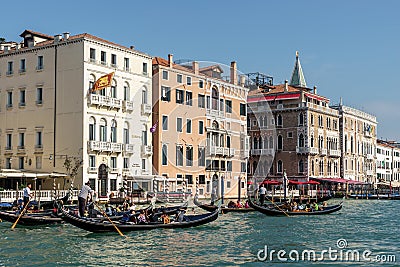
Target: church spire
[{"x": 297, "y": 75}]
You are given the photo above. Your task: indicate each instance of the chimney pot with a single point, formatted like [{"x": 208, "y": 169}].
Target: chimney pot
[
  {"x": 233, "y": 73},
  {"x": 195, "y": 66},
  {"x": 286, "y": 86},
  {"x": 66, "y": 36},
  {"x": 315, "y": 89},
  {"x": 170, "y": 60},
  {"x": 57, "y": 38},
  {"x": 132, "y": 47}
]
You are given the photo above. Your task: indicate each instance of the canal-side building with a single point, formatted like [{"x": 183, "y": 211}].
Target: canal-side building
[
  {"x": 358, "y": 144},
  {"x": 299, "y": 135},
  {"x": 49, "y": 112},
  {"x": 199, "y": 128},
  {"x": 387, "y": 163}
]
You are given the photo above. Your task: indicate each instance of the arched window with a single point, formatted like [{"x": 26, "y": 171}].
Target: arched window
[
  {"x": 279, "y": 121},
  {"x": 255, "y": 143},
  {"x": 301, "y": 140},
  {"x": 215, "y": 98},
  {"x": 254, "y": 167},
  {"x": 266, "y": 142},
  {"x": 312, "y": 167},
  {"x": 280, "y": 166},
  {"x": 126, "y": 133},
  {"x": 126, "y": 92},
  {"x": 215, "y": 125},
  {"x": 92, "y": 128},
  {"x": 265, "y": 123},
  {"x": 280, "y": 142},
  {"x": 260, "y": 143},
  {"x": 312, "y": 141},
  {"x": 164, "y": 154},
  {"x": 301, "y": 119},
  {"x": 321, "y": 167},
  {"x": 271, "y": 142},
  {"x": 301, "y": 166},
  {"x": 92, "y": 80},
  {"x": 103, "y": 130},
  {"x": 144, "y": 95},
  {"x": 113, "y": 131},
  {"x": 113, "y": 89}
]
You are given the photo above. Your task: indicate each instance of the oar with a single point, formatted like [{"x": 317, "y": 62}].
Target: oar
[
  {"x": 20, "y": 215},
  {"x": 279, "y": 208},
  {"x": 105, "y": 215}
]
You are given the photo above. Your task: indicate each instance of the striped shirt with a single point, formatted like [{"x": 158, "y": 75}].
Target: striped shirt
[{"x": 85, "y": 191}]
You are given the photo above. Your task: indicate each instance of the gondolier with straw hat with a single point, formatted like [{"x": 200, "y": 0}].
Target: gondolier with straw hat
[{"x": 82, "y": 198}]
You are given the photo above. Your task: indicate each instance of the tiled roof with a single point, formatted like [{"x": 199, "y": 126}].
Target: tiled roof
[
  {"x": 163, "y": 62},
  {"x": 276, "y": 89},
  {"x": 37, "y": 34}
]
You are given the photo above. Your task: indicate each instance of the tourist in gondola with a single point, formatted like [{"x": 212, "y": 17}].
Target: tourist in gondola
[
  {"x": 165, "y": 218},
  {"x": 239, "y": 204},
  {"x": 82, "y": 198},
  {"x": 27, "y": 193},
  {"x": 141, "y": 219}
]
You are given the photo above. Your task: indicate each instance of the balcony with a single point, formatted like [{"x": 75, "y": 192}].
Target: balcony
[
  {"x": 147, "y": 150},
  {"x": 334, "y": 153},
  {"x": 215, "y": 113},
  {"x": 91, "y": 169},
  {"x": 102, "y": 146},
  {"x": 127, "y": 105},
  {"x": 370, "y": 172},
  {"x": 128, "y": 148},
  {"x": 307, "y": 150},
  {"x": 38, "y": 148},
  {"x": 264, "y": 151},
  {"x": 369, "y": 156},
  {"x": 146, "y": 109},
  {"x": 105, "y": 101},
  {"x": 323, "y": 151},
  {"x": 244, "y": 153},
  {"x": 367, "y": 134}
]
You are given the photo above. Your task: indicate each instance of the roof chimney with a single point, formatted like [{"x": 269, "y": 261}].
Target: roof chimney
[
  {"x": 57, "y": 38},
  {"x": 170, "y": 60},
  {"x": 132, "y": 47},
  {"x": 315, "y": 89},
  {"x": 242, "y": 80},
  {"x": 66, "y": 36},
  {"x": 286, "y": 86},
  {"x": 233, "y": 73},
  {"x": 195, "y": 66}
]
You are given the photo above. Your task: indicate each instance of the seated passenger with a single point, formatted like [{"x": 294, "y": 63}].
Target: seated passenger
[
  {"x": 141, "y": 219},
  {"x": 239, "y": 205},
  {"x": 231, "y": 204},
  {"x": 246, "y": 204},
  {"x": 165, "y": 218}
]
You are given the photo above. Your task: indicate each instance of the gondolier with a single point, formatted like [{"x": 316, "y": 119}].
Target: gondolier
[
  {"x": 82, "y": 198},
  {"x": 27, "y": 194}
]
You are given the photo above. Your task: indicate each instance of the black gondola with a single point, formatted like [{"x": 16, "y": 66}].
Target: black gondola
[
  {"x": 274, "y": 210},
  {"x": 94, "y": 226},
  {"x": 31, "y": 219},
  {"x": 212, "y": 208}
]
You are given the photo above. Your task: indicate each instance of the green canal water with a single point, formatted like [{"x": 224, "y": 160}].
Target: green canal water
[{"x": 232, "y": 240}]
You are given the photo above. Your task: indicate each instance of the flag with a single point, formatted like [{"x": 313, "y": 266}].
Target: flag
[
  {"x": 103, "y": 82},
  {"x": 154, "y": 127}
]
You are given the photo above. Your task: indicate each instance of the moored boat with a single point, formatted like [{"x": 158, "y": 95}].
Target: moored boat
[
  {"x": 211, "y": 208},
  {"x": 31, "y": 219},
  {"x": 275, "y": 210}
]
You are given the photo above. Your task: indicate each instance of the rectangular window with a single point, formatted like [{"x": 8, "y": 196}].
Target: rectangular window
[
  {"x": 126, "y": 136},
  {"x": 201, "y": 157},
  {"x": 201, "y": 127},
  {"x": 126, "y": 64},
  {"x": 165, "y": 93},
  {"x": 39, "y": 142},
  {"x": 8, "y": 163},
  {"x": 39, "y": 63},
  {"x": 221, "y": 104},
  {"x": 103, "y": 58},
  {"x": 21, "y": 163},
  {"x": 113, "y": 184},
  {"x": 22, "y": 66},
  {"x": 113, "y": 60},
  {"x": 228, "y": 184},
  {"x": 22, "y": 98},
  {"x": 228, "y": 106},
  {"x": 9, "y": 99},
  {"x": 165, "y": 75},
  {"x": 113, "y": 91},
  {"x": 202, "y": 101},
  {"x": 92, "y": 162},
  {"x": 179, "y": 78},
  {"x": 9, "y": 142},
  {"x": 144, "y": 68},
  {"x": 188, "y": 98},
  {"x": 92, "y": 54},
  {"x": 126, "y": 93},
  {"x": 113, "y": 136},
  {"x": 10, "y": 68},
  {"x": 164, "y": 155},
  {"x": 165, "y": 123},
  {"x": 229, "y": 166},
  {"x": 201, "y": 84},
  {"x": 21, "y": 141},
  {"x": 179, "y": 125},
  {"x": 113, "y": 163},
  {"x": 38, "y": 162},
  {"x": 144, "y": 138},
  {"x": 126, "y": 163},
  {"x": 188, "y": 126},
  {"x": 242, "y": 109},
  {"x": 243, "y": 166},
  {"x": 202, "y": 179},
  {"x": 208, "y": 102},
  {"x": 189, "y": 80},
  {"x": 179, "y": 96},
  {"x": 103, "y": 133},
  {"x": 189, "y": 156},
  {"x": 189, "y": 178},
  {"x": 179, "y": 155},
  {"x": 39, "y": 95},
  {"x": 91, "y": 132}
]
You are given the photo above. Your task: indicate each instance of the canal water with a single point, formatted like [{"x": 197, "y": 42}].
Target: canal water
[{"x": 362, "y": 226}]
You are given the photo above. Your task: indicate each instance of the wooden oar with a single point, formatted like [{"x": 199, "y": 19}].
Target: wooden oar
[
  {"x": 105, "y": 215},
  {"x": 20, "y": 215},
  {"x": 279, "y": 208}
]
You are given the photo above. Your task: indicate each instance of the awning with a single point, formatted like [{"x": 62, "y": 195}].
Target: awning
[
  {"x": 271, "y": 182},
  {"x": 293, "y": 182},
  {"x": 339, "y": 180},
  {"x": 11, "y": 173}
]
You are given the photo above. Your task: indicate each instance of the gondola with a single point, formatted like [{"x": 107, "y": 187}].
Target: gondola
[
  {"x": 94, "y": 226},
  {"x": 211, "y": 208},
  {"x": 373, "y": 196},
  {"x": 31, "y": 219},
  {"x": 276, "y": 211}
]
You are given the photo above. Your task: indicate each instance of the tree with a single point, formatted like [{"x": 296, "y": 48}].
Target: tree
[
  {"x": 72, "y": 165},
  {"x": 2, "y": 40}
]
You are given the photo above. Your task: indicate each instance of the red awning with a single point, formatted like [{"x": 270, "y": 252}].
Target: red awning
[
  {"x": 293, "y": 182},
  {"x": 339, "y": 180},
  {"x": 271, "y": 182},
  {"x": 249, "y": 182}
]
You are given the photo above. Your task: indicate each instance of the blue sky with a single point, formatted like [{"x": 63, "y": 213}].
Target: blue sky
[{"x": 348, "y": 49}]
